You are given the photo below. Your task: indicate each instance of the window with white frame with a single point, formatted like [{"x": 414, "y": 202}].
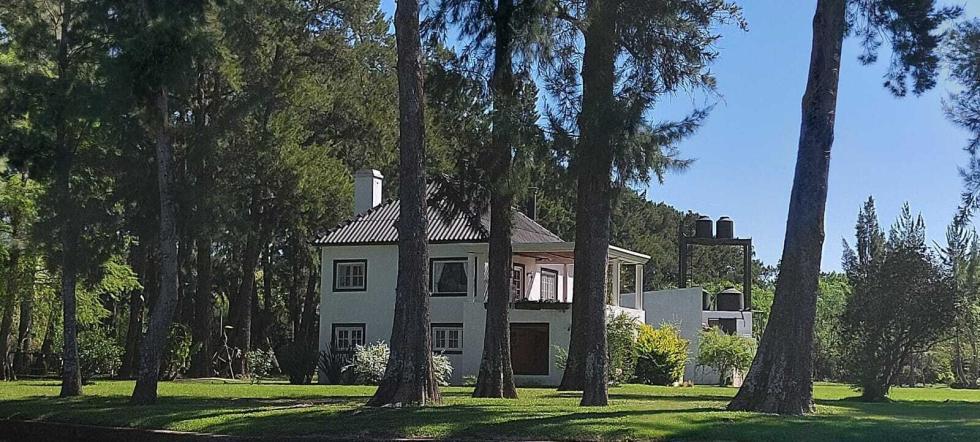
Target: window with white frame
[
  {"x": 549, "y": 285},
  {"x": 448, "y": 277},
  {"x": 350, "y": 275},
  {"x": 447, "y": 338},
  {"x": 347, "y": 336},
  {"x": 517, "y": 282}
]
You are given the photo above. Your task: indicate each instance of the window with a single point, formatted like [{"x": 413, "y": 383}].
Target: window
[
  {"x": 517, "y": 282},
  {"x": 447, "y": 338},
  {"x": 447, "y": 277},
  {"x": 549, "y": 285},
  {"x": 350, "y": 275},
  {"x": 727, "y": 325},
  {"x": 347, "y": 336}
]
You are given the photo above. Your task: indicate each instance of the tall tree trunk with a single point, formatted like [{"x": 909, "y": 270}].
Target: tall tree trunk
[
  {"x": 203, "y": 312},
  {"x": 597, "y": 122},
  {"x": 241, "y": 335},
  {"x": 6, "y": 328},
  {"x": 137, "y": 304},
  {"x": 22, "y": 359},
  {"x": 496, "y": 377},
  {"x": 162, "y": 314},
  {"x": 781, "y": 377},
  {"x": 409, "y": 377},
  {"x": 71, "y": 378}
]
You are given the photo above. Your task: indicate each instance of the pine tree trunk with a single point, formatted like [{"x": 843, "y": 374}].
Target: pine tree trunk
[
  {"x": 162, "y": 314},
  {"x": 409, "y": 377},
  {"x": 137, "y": 301},
  {"x": 781, "y": 377},
  {"x": 203, "y": 312},
  {"x": 22, "y": 359},
  {"x": 71, "y": 376},
  {"x": 6, "y": 328},
  {"x": 593, "y": 163},
  {"x": 496, "y": 376}
]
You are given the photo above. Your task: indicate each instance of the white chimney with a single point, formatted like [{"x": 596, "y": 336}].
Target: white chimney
[{"x": 367, "y": 190}]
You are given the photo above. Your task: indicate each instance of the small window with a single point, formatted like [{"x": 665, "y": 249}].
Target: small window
[
  {"x": 447, "y": 338},
  {"x": 517, "y": 282},
  {"x": 447, "y": 277},
  {"x": 726, "y": 325},
  {"x": 349, "y": 275},
  {"x": 347, "y": 336},
  {"x": 549, "y": 285}
]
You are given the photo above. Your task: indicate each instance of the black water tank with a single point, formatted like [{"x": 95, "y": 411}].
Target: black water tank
[
  {"x": 725, "y": 228},
  {"x": 703, "y": 227},
  {"x": 730, "y": 300}
]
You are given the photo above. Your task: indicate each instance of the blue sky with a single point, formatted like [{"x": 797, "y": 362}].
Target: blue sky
[{"x": 895, "y": 149}]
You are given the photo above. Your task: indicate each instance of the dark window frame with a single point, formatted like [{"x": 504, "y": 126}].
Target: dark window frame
[
  {"x": 432, "y": 262},
  {"x": 549, "y": 272},
  {"x": 336, "y": 265},
  {"x": 333, "y": 335},
  {"x": 432, "y": 335}
]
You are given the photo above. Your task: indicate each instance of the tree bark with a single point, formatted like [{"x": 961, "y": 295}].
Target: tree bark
[
  {"x": 161, "y": 316},
  {"x": 781, "y": 377},
  {"x": 409, "y": 376},
  {"x": 71, "y": 376},
  {"x": 203, "y": 312},
  {"x": 6, "y": 328},
  {"x": 588, "y": 358},
  {"x": 496, "y": 376},
  {"x": 137, "y": 302},
  {"x": 22, "y": 359}
]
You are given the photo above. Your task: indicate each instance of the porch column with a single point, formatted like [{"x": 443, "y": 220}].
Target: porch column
[
  {"x": 564, "y": 282},
  {"x": 616, "y": 267},
  {"x": 639, "y": 287}
]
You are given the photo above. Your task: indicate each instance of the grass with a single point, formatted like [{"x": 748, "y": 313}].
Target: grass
[{"x": 635, "y": 412}]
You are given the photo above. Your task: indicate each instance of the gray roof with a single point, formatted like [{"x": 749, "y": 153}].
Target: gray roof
[{"x": 377, "y": 226}]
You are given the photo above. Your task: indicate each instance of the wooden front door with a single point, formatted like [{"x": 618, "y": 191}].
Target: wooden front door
[{"x": 529, "y": 348}]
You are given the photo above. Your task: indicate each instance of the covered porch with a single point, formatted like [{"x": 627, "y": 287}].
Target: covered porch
[{"x": 543, "y": 276}]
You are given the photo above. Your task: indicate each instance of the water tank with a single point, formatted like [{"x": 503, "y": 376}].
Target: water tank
[
  {"x": 703, "y": 227},
  {"x": 729, "y": 300},
  {"x": 725, "y": 228}
]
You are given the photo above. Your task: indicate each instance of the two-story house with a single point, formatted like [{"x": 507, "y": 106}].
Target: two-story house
[{"x": 359, "y": 265}]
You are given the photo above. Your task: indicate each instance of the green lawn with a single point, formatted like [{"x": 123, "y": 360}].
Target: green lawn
[{"x": 636, "y": 412}]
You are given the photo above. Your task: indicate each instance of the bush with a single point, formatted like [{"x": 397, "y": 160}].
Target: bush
[
  {"x": 724, "y": 352},
  {"x": 369, "y": 362},
  {"x": 621, "y": 331},
  {"x": 331, "y": 365},
  {"x": 661, "y": 354},
  {"x": 298, "y": 360},
  {"x": 261, "y": 363},
  {"x": 177, "y": 355},
  {"x": 98, "y": 354}
]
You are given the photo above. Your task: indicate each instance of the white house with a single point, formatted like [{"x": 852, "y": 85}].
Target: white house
[{"x": 359, "y": 262}]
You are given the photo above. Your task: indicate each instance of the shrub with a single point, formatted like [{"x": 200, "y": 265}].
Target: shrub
[
  {"x": 298, "y": 360},
  {"x": 561, "y": 357},
  {"x": 443, "y": 368},
  {"x": 621, "y": 331},
  {"x": 261, "y": 364},
  {"x": 177, "y": 354},
  {"x": 369, "y": 362},
  {"x": 724, "y": 352},
  {"x": 331, "y": 365},
  {"x": 661, "y": 354},
  {"x": 98, "y": 354}
]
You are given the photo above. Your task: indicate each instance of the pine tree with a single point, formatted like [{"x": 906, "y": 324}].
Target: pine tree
[{"x": 781, "y": 377}]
